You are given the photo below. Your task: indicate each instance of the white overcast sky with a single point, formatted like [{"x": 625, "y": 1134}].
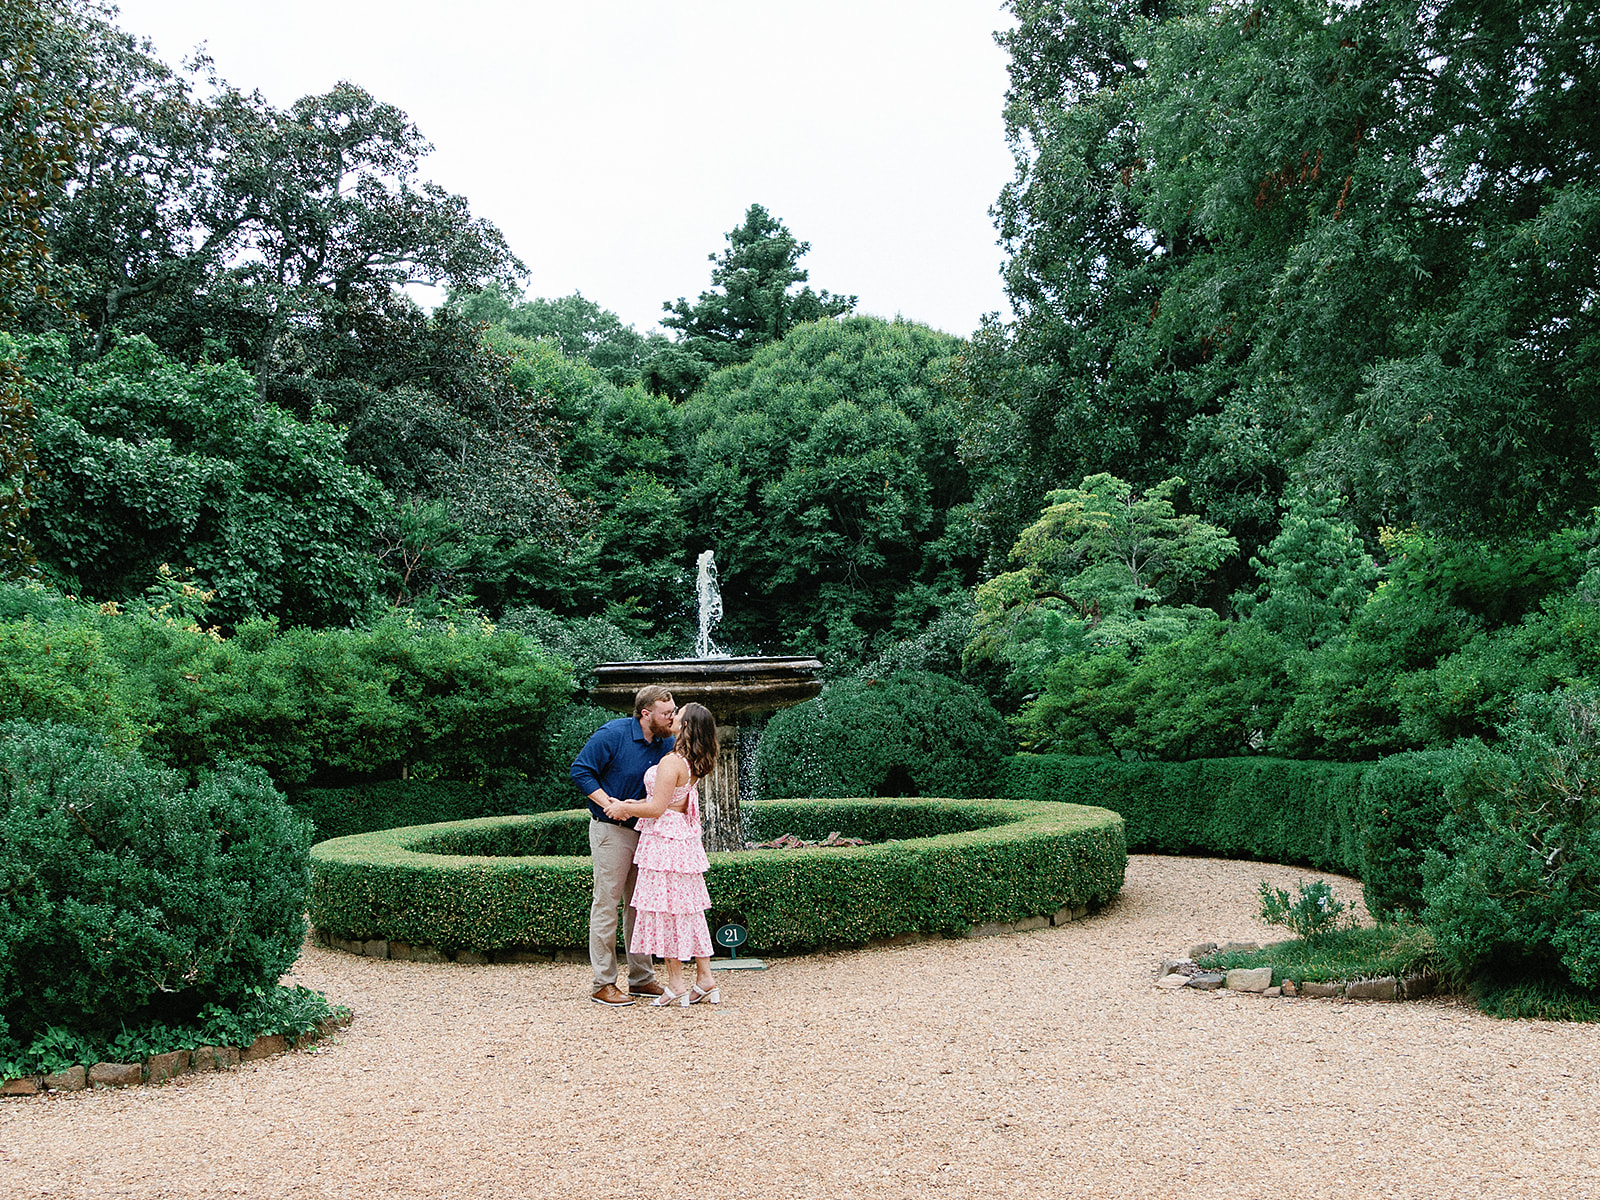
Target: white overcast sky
[{"x": 615, "y": 143}]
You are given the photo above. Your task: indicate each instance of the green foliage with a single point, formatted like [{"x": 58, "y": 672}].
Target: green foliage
[
  {"x": 1314, "y": 915},
  {"x": 452, "y": 701},
  {"x": 754, "y": 306},
  {"x": 1268, "y": 810},
  {"x": 289, "y": 1012},
  {"x": 131, "y": 897},
  {"x": 1217, "y": 692},
  {"x": 1403, "y": 801},
  {"x": 150, "y": 462},
  {"x": 1003, "y": 862},
  {"x": 1453, "y": 634},
  {"x": 1362, "y": 952},
  {"x": 910, "y": 734},
  {"x": 1516, "y": 891},
  {"x": 578, "y": 326},
  {"x": 459, "y": 701},
  {"x": 391, "y": 803},
  {"x": 1244, "y": 246},
  {"x": 1098, "y": 569},
  {"x": 824, "y": 471},
  {"x": 1315, "y": 574},
  {"x": 60, "y": 669},
  {"x": 1535, "y": 999}
]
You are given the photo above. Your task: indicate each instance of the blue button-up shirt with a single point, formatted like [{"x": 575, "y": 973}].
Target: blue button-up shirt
[{"x": 615, "y": 758}]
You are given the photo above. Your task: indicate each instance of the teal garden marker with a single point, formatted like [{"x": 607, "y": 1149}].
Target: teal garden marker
[{"x": 733, "y": 935}]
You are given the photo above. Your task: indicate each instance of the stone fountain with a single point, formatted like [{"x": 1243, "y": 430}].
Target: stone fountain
[{"x": 734, "y": 689}]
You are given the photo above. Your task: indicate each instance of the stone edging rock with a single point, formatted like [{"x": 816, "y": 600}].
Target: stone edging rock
[
  {"x": 1174, "y": 973},
  {"x": 159, "y": 1068}
]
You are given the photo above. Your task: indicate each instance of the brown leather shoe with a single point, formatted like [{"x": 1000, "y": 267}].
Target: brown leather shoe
[
  {"x": 648, "y": 988},
  {"x": 612, "y": 996}
]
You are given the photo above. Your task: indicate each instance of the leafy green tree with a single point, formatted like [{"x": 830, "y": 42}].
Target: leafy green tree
[
  {"x": 1100, "y": 568},
  {"x": 1315, "y": 574},
  {"x": 754, "y": 305},
  {"x": 1349, "y": 242},
  {"x": 149, "y": 462},
  {"x": 579, "y": 326},
  {"x": 824, "y": 475},
  {"x": 222, "y": 227},
  {"x": 44, "y": 127}
]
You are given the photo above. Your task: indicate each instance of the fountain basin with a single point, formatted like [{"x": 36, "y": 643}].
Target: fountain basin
[{"x": 729, "y": 687}]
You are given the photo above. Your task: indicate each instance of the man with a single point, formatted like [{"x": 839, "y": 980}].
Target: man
[{"x": 610, "y": 766}]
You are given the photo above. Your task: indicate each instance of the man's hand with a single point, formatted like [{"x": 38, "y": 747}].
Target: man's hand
[{"x": 613, "y": 808}]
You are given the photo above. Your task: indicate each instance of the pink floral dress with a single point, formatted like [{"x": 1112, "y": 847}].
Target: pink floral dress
[{"x": 669, "y": 896}]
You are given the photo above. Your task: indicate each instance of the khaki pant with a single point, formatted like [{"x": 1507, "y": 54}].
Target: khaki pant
[{"x": 612, "y": 847}]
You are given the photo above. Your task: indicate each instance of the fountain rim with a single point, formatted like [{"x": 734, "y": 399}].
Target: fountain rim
[{"x": 798, "y": 660}]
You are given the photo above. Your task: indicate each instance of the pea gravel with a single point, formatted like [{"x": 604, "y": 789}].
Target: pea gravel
[{"x": 1043, "y": 1063}]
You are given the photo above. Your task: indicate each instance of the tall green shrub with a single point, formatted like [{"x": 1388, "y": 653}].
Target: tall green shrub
[
  {"x": 912, "y": 734},
  {"x": 1403, "y": 801},
  {"x": 1517, "y": 891},
  {"x": 126, "y": 896}
]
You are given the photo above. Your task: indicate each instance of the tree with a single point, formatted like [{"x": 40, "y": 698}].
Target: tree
[
  {"x": 150, "y": 462},
  {"x": 823, "y": 473},
  {"x": 44, "y": 127},
  {"x": 1100, "y": 568},
  {"x": 754, "y": 306},
  {"x": 1338, "y": 243},
  {"x": 579, "y": 326},
  {"x": 222, "y": 227}
]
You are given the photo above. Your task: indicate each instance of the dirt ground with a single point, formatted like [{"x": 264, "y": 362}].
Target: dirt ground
[{"x": 1037, "y": 1063}]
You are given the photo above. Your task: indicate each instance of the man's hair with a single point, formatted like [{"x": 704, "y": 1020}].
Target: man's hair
[{"x": 646, "y": 696}]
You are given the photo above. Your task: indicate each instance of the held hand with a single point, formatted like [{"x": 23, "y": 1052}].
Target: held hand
[{"x": 614, "y": 810}]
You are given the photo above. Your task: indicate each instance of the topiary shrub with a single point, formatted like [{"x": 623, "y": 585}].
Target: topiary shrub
[
  {"x": 506, "y": 883},
  {"x": 911, "y": 734},
  {"x": 125, "y": 896},
  {"x": 1402, "y": 803}
]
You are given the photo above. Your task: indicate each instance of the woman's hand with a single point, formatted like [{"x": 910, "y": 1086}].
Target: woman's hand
[{"x": 616, "y": 809}]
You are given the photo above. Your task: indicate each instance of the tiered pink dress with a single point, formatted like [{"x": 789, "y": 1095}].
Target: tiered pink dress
[{"x": 669, "y": 896}]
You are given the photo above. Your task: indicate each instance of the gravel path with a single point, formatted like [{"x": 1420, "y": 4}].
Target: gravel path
[{"x": 1044, "y": 1062}]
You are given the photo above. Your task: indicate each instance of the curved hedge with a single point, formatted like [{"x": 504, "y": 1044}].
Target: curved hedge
[{"x": 504, "y": 883}]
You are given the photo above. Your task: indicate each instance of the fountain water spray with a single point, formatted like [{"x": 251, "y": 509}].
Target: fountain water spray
[
  {"x": 710, "y": 596},
  {"x": 734, "y": 689}
]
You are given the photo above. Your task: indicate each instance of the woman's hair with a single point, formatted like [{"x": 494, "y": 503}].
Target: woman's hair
[{"x": 698, "y": 741}]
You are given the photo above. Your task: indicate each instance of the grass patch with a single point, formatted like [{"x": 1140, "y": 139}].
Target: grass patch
[
  {"x": 1544, "y": 999},
  {"x": 1369, "y": 952}
]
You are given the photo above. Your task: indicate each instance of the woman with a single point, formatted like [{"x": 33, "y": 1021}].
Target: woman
[{"x": 669, "y": 897}]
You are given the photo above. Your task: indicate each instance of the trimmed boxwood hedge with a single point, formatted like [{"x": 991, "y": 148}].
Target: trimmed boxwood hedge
[
  {"x": 1267, "y": 809},
  {"x": 362, "y": 808},
  {"x": 510, "y": 882},
  {"x": 1372, "y": 820}
]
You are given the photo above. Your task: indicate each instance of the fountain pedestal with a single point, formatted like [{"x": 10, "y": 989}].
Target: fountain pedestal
[{"x": 731, "y": 688}]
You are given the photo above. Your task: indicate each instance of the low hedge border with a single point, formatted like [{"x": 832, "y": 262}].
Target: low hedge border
[
  {"x": 959, "y": 865},
  {"x": 1373, "y": 820},
  {"x": 1266, "y": 809},
  {"x": 158, "y": 1068},
  {"x": 387, "y": 804}
]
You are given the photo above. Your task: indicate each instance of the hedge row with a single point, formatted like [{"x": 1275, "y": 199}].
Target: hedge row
[
  {"x": 1371, "y": 820},
  {"x": 341, "y": 812},
  {"x": 509, "y": 882}
]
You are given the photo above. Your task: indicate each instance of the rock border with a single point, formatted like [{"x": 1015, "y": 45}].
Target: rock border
[
  {"x": 1175, "y": 973},
  {"x": 159, "y": 1068}
]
